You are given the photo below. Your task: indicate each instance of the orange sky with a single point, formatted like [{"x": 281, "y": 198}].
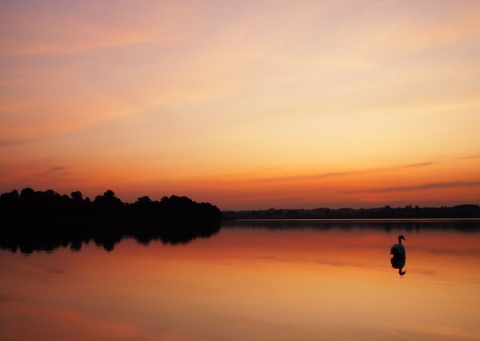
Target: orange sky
[{"x": 245, "y": 104}]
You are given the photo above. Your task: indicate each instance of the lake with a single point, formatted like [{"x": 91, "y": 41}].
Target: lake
[{"x": 253, "y": 280}]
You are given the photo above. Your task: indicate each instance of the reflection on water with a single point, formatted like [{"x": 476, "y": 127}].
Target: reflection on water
[
  {"x": 32, "y": 238},
  {"x": 252, "y": 281},
  {"x": 398, "y": 262}
]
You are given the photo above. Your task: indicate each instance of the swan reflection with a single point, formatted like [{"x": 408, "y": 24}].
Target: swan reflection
[
  {"x": 398, "y": 262},
  {"x": 397, "y": 251}
]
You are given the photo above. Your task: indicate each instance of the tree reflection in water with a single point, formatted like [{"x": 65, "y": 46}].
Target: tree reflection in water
[{"x": 28, "y": 241}]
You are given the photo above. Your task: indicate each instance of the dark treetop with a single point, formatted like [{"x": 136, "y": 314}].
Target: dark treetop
[{"x": 36, "y": 220}]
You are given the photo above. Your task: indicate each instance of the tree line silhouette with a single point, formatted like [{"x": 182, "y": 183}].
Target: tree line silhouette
[
  {"x": 45, "y": 220},
  {"x": 387, "y": 212}
]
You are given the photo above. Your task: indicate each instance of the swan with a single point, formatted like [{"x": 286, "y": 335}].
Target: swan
[{"x": 398, "y": 249}]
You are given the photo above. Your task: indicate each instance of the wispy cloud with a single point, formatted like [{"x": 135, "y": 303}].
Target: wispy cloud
[
  {"x": 57, "y": 169},
  {"x": 43, "y": 29},
  {"x": 427, "y": 186},
  {"x": 468, "y": 157},
  {"x": 5, "y": 143},
  {"x": 420, "y": 164},
  {"x": 75, "y": 37},
  {"x": 325, "y": 175},
  {"x": 342, "y": 174}
]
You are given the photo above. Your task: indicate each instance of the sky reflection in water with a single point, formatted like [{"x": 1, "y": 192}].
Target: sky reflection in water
[{"x": 249, "y": 283}]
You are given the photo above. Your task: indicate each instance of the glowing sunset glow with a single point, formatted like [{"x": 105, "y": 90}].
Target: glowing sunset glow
[{"x": 245, "y": 104}]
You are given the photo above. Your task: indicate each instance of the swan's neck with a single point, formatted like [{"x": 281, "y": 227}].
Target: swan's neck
[{"x": 399, "y": 241}]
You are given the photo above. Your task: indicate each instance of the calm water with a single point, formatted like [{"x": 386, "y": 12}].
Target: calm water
[{"x": 252, "y": 281}]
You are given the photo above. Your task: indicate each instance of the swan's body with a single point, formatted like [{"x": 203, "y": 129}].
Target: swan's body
[{"x": 398, "y": 249}]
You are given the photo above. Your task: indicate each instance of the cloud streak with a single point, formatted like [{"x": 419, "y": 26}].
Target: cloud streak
[
  {"x": 43, "y": 29},
  {"x": 342, "y": 174},
  {"x": 421, "y": 187},
  {"x": 11, "y": 142}
]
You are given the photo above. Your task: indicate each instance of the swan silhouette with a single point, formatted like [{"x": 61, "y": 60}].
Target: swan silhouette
[
  {"x": 398, "y": 253},
  {"x": 398, "y": 249}
]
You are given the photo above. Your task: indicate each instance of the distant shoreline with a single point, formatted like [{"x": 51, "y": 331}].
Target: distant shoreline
[
  {"x": 467, "y": 225},
  {"x": 400, "y": 220},
  {"x": 406, "y": 213}
]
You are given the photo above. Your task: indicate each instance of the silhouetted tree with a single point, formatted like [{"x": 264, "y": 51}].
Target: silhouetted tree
[
  {"x": 77, "y": 196},
  {"x": 46, "y": 220}
]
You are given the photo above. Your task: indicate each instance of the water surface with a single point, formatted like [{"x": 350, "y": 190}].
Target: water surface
[{"x": 252, "y": 281}]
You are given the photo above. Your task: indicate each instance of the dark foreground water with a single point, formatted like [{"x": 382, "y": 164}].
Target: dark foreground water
[{"x": 253, "y": 281}]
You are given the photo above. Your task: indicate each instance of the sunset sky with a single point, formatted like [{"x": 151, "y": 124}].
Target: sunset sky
[{"x": 244, "y": 104}]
